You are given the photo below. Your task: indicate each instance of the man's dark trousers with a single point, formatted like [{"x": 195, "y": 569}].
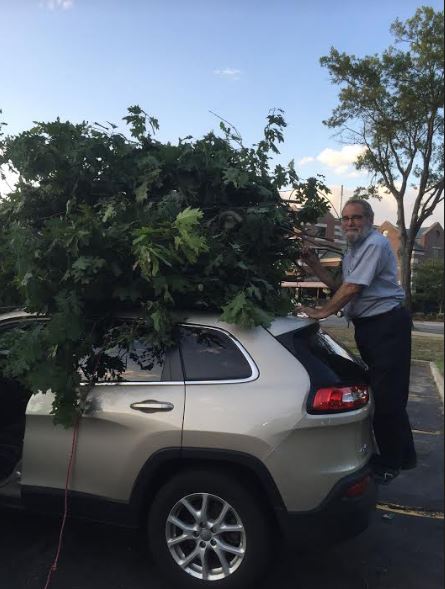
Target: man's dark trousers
[{"x": 384, "y": 342}]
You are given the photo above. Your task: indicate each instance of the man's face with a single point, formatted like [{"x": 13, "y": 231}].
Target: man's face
[{"x": 355, "y": 224}]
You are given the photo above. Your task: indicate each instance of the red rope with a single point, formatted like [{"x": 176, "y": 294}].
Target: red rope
[{"x": 53, "y": 567}]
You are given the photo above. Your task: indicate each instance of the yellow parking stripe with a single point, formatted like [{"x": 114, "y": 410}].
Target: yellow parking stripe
[
  {"x": 413, "y": 511},
  {"x": 419, "y": 431}
]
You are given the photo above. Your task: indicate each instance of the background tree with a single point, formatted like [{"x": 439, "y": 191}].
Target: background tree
[
  {"x": 428, "y": 287},
  {"x": 100, "y": 222},
  {"x": 392, "y": 104}
]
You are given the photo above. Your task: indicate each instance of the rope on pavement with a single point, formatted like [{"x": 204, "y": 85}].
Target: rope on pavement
[
  {"x": 53, "y": 567},
  {"x": 414, "y": 511}
]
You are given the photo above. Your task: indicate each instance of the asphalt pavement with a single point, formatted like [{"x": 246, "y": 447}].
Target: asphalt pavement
[{"x": 402, "y": 549}]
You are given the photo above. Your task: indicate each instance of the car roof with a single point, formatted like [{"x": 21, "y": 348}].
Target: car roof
[
  {"x": 16, "y": 314},
  {"x": 278, "y": 326},
  {"x": 282, "y": 325}
]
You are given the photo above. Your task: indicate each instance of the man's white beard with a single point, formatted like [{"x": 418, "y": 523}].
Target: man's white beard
[{"x": 356, "y": 236}]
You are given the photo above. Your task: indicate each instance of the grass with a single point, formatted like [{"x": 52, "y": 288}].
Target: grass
[{"x": 424, "y": 347}]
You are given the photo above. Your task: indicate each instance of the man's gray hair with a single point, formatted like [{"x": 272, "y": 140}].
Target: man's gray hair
[{"x": 367, "y": 209}]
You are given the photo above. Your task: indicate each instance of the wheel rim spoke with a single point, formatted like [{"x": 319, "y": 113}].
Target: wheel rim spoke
[
  {"x": 226, "y": 528},
  {"x": 181, "y": 525},
  {"x": 223, "y": 560},
  {"x": 205, "y": 504},
  {"x": 179, "y": 539},
  {"x": 230, "y": 549},
  {"x": 195, "y": 514},
  {"x": 224, "y": 511},
  {"x": 205, "y": 568},
  {"x": 190, "y": 558}
]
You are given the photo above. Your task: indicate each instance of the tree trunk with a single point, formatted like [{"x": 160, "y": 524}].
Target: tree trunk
[{"x": 405, "y": 253}]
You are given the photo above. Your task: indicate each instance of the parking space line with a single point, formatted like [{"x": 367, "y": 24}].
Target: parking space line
[
  {"x": 419, "y": 431},
  {"x": 413, "y": 511}
]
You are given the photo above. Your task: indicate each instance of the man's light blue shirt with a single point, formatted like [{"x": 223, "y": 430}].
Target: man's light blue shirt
[{"x": 371, "y": 263}]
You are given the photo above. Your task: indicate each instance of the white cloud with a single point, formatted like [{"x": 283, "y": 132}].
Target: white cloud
[
  {"x": 355, "y": 174},
  {"x": 57, "y": 4},
  {"x": 341, "y": 160},
  {"x": 228, "y": 73},
  {"x": 306, "y": 160}
]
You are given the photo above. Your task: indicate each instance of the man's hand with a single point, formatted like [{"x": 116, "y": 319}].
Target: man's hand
[
  {"x": 309, "y": 257},
  {"x": 314, "y": 313},
  {"x": 342, "y": 297}
]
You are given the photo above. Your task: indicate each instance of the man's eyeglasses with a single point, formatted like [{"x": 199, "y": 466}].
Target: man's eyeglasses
[{"x": 352, "y": 218}]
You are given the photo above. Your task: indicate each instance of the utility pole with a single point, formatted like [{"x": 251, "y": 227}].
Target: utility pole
[{"x": 341, "y": 199}]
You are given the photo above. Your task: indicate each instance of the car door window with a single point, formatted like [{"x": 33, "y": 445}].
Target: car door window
[
  {"x": 139, "y": 364},
  {"x": 13, "y": 395},
  {"x": 211, "y": 355}
]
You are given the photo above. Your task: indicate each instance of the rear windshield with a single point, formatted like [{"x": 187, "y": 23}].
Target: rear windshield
[{"x": 327, "y": 362}]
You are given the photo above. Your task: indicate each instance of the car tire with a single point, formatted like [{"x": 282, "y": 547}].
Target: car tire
[{"x": 207, "y": 530}]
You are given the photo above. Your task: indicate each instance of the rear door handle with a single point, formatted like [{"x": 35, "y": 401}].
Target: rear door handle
[{"x": 151, "y": 406}]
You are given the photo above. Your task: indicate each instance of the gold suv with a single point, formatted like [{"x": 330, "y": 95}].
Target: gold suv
[{"x": 235, "y": 440}]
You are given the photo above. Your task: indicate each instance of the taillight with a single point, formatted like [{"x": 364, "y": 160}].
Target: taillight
[
  {"x": 359, "y": 488},
  {"x": 338, "y": 399}
]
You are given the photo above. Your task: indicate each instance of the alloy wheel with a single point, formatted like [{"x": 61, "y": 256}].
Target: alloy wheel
[{"x": 206, "y": 537}]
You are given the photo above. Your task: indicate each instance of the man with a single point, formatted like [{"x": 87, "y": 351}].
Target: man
[
  {"x": 13, "y": 401},
  {"x": 373, "y": 300}
]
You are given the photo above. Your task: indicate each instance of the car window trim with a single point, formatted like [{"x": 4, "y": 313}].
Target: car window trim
[
  {"x": 255, "y": 373},
  {"x": 136, "y": 383}
]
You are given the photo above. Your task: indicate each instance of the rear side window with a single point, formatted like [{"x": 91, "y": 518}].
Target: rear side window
[
  {"x": 327, "y": 362},
  {"x": 210, "y": 354}
]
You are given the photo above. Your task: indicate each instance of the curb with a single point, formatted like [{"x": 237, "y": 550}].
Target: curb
[
  {"x": 427, "y": 334},
  {"x": 438, "y": 379},
  {"x": 436, "y": 375}
]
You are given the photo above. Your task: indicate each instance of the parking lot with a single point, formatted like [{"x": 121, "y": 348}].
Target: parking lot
[{"x": 403, "y": 548}]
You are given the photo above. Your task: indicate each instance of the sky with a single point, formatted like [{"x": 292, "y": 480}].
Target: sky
[{"x": 182, "y": 60}]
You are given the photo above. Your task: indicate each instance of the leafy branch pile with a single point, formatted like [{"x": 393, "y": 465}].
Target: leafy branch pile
[{"x": 100, "y": 222}]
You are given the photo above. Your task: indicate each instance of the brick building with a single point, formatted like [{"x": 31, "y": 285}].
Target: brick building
[{"x": 429, "y": 242}]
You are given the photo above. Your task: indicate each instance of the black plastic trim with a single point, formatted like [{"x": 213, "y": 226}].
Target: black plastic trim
[
  {"x": 50, "y": 501},
  {"x": 336, "y": 518},
  {"x": 155, "y": 471},
  {"x": 247, "y": 461}
]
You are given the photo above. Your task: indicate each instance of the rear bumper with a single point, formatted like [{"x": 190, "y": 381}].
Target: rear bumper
[{"x": 338, "y": 518}]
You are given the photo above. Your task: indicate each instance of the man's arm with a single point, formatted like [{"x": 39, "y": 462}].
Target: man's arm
[
  {"x": 312, "y": 260},
  {"x": 344, "y": 294}
]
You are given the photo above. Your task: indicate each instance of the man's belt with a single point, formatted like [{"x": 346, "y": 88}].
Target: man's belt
[{"x": 362, "y": 320}]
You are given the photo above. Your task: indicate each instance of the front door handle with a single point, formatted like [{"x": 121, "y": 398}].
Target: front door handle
[{"x": 152, "y": 406}]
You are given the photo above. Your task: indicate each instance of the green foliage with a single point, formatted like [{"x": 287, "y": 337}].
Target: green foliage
[
  {"x": 100, "y": 223},
  {"x": 392, "y": 105},
  {"x": 428, "y": 286}
]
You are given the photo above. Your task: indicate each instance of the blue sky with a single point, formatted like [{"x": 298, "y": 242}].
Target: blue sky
[{"x": 180, "y": 59}]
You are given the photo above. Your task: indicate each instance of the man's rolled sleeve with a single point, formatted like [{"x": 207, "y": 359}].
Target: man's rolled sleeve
[{"x": 367, "y": 266}]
